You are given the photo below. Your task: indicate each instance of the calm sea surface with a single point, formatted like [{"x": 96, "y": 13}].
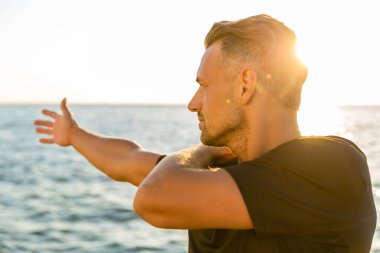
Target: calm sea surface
[{"x": 53, "y": 200}]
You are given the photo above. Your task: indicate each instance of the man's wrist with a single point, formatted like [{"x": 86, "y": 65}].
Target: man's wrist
[
  {"x": 74, "y": 134},
  {"x": 198, "y": 157}
]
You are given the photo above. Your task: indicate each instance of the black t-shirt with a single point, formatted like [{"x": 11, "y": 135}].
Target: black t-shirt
[{"x": 312, "y": 194}]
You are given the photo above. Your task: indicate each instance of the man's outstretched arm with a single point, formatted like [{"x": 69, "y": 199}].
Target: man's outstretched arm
[{"x": 120, "y": 159}]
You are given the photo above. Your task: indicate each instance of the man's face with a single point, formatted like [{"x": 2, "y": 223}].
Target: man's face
[{"x": 216, "y": 102}]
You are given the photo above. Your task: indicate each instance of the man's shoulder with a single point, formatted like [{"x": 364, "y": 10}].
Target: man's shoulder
[
  {"x": 319, "y": 148},
  {"x": 330, "y": 141},
  {"x": 311, "y": 155}
]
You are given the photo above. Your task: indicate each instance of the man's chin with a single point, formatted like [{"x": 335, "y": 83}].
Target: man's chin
[
  {"x": 205, "y": 139},
  {"x": 209, "y": 141}
]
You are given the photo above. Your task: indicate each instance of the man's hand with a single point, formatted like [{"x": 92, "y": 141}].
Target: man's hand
[
  {"x": 60, "y": 129},
  {"x": 202, "y": 156},
  {"x": 120, "y": 159}
]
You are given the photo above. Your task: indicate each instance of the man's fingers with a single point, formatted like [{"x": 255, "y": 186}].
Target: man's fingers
[
  {"x": 43, "y": 123},
  {"x": 49, "y": 113},
  {"x": 63, "y": 106},
  {"x": 44, "y": 130},
  {"x": 223, "y": 150},
  {"x": 47, "y": 141}
]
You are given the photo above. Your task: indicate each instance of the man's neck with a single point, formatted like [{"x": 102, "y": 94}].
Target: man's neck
[{"x": 266, "y": 131}]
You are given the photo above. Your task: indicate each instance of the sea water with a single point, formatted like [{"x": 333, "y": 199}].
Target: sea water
[{"x": 53, "y": 200}]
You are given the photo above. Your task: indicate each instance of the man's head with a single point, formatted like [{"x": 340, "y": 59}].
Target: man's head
[
  {"x": 258, "y": 51},
  {"x": 269, "y": 47}
]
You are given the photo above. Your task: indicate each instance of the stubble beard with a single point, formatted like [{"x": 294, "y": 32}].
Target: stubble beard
[{"x": 233, "y": 130}]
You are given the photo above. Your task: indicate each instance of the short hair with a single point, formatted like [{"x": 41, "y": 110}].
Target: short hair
[{"x": 270, "y": 47}]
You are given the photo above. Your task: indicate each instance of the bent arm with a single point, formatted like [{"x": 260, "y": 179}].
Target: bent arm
[{"x": 179, "y": 194}]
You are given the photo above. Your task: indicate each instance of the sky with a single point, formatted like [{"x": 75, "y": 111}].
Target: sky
[{"x": 148, "y": 51}]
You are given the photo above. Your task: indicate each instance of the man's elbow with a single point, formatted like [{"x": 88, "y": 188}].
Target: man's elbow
[
  {"x": 112, "y": 171},
  {"x": 146, "y": 205},
  {"x": 117, "y": 172},
  {"x": 115, "y": 177}
]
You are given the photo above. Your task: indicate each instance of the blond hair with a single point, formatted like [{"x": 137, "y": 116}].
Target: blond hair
[{"x": 269, "y": 46}]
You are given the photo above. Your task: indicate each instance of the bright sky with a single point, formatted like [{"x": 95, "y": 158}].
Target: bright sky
[{"x": 148, "y": 51}]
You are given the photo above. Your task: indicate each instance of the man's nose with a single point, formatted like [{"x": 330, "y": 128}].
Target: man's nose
[{"x": 195, "y": 104}]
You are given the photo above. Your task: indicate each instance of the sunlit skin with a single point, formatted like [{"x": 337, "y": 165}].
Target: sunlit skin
[
  {"x": 220, "y": 120},
  {"x": 233, "y": 113}
]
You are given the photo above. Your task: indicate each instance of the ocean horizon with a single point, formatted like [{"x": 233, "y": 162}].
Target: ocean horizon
[{"x": 53, "y": 200}]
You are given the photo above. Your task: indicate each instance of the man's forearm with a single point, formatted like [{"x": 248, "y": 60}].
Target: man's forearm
[
  {"x": 199, "y": 158},
  {"x": 120, "y": 159}
]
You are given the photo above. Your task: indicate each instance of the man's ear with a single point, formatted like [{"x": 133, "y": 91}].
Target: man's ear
[{"x": 248, "y": 85}]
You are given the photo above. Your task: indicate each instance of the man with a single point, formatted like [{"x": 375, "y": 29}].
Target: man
[{"x": 284, "y": 193}]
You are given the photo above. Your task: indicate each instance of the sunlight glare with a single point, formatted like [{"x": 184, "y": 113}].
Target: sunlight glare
[
  {"x": 319, "y": 120},
  {"x": 302, "y": 52},
  {"x": 319, "y": 113}
]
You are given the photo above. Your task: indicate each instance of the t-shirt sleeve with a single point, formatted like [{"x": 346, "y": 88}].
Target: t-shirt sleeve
[
  {"x": 160, "y": 158},
  {"x": 311, "y": 198}
]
